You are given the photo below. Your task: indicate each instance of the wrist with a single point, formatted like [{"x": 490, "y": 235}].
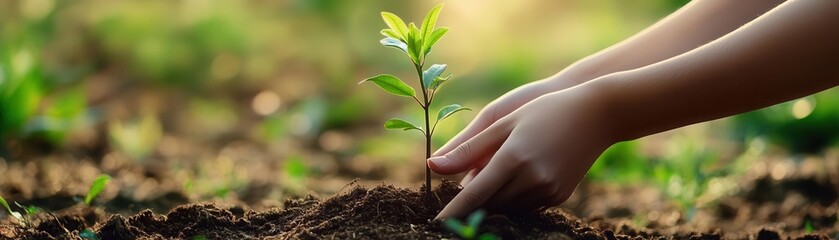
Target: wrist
[
  {"x": 579, "y": 72},
  {"x": 593, "y": 101},
  {"x": 601, "y": 98}
]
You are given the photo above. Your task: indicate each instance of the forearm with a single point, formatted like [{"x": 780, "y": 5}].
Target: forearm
[
  {"x": 788, "y": 53},
  {"x": 693, "y": 25}
]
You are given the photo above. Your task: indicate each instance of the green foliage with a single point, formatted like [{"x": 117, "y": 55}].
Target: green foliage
[
  {"x": 9, "y": 209},
  {"x": 20, "y": 90},
  {"x": 396, "y": 25},
  {"x": 433, "y": 72},
  {"x": 96, "y": 188},
  {"x": 449, "y": 110},
  {"x": 812, "y": 131},
  {"x": 29, "y": 210},
  {"x": 686, "y": 170},
  {"x": 621, "y": 163},
  {"x": 88, "y": 234},
  {"x": 295, "y": 173},
  {"x": 690, "y": 174},
  {"x": 392, "y": 85},
  {"x": 137, "y": 138},
  {"x": 5, "y": 204},
  {"x": 14, "y": 214},
  {"x": 199, "y": 237},
  {"x": 470, "y": 229},
  {"x": 393, "y": 42},
  {"x": 417, "y": 43},
  {"x": 25, "y": 88},
  {"x": 395, "y": 123}
]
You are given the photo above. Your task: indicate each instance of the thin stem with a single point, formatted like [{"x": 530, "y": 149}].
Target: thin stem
[
  {"x": 418, "y": 101},
  {"x": 434, "y": 127},
  {"x": 427, "y": 126}
]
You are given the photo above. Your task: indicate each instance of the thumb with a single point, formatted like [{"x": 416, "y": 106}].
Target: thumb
[{"x": 470, "y": 153}]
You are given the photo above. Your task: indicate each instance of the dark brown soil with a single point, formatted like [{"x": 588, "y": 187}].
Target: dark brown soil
[{"x": 383, "y": 212}]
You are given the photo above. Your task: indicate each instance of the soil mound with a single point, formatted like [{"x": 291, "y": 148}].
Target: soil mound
[{"x": 383, "y": 212}]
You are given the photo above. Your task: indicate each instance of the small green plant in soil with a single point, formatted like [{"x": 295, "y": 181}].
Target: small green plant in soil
[
  {"x": 29, "y": 210},
  {"x": 416, "y": 42},
  {"x": 14, "y": 214},
  {"x": 88, "y": 234},
  {"x": 470, "y": 229},
  {"x": 96, "y": 188}
]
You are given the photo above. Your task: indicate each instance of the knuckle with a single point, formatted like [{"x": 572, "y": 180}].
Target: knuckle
[
  {"x": 471, "y": 198},
  {"x": 463, "y": 151},
  {"x": 520, "y": 161},
  {"x": 542, "y": 179}
]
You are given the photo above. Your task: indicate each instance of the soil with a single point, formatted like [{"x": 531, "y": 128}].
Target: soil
[
  {"x": 381, "y": 212},
  {"x": 150, "y": 200}
]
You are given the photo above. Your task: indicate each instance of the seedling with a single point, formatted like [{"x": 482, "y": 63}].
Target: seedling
[
  {"x": 96, "y": 188},
  {"x": 29, "y": 210},
  {"x": 88, "y": 234},
  {"x": 14, "y": 214},
  {"x": 416, "y": 42},
  {"x": 470, "y": 229},
  {"x": 199, "y": 237}
]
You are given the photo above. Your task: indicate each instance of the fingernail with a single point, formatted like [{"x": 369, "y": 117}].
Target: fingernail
[{"x": 438, "y": 161}]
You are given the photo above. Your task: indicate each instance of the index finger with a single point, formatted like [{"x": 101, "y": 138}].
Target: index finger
[
  {"x": 482, "y": 187},
  {"x": 476, "y": 126}
]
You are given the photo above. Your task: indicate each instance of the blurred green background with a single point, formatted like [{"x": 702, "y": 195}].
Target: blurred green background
[{"x": 176, "y": 81}]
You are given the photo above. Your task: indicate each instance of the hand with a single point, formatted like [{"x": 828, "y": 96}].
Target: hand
[
  {"x": 537, "y": 154},
  {"x": 500, "y": 108}
]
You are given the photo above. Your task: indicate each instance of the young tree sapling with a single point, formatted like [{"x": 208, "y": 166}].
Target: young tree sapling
[{"x": 416, "y": 42}]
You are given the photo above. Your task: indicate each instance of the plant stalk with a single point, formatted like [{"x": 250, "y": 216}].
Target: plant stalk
[{"x": 427, "y": 130}]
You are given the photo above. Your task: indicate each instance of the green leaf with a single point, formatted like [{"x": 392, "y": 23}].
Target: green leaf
[
  {"x": 30, "y": 210},
  {"x": 395, "y": 23},
  {"x": 449, "y": 110},
  {"x": 430, "y": 20},
  {"x": 391, "y": 33},
  {"x": 476, "y": 217},
  {"x": 395, "y": 43},
  {"x": 199, "y": 237},
  {"x": 5, "y": 205},
  {"x": 14, "y": 214},
  {"x": 432, "y": 73},
  {"x": 435, "y": 36},
  {"x": 439, "y": 81},
  {"x": 88, "y": 234},
  {"x": 414, "y": 43},
  {"x": 488, "y": 236},
  {"x": 455, "y": 226},
  {"x": 96, "y": 188},
  {"x": 395, "y": 123},
  {"x": 392, "y": 85}
]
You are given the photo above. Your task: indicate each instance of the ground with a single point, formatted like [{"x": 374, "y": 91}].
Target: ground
[{"x": 768, "y": 209}]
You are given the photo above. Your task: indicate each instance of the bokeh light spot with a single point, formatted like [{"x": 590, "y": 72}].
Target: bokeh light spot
[
  {"x": 265, "y": 103},
  {"x": 802, "y": 108}
]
